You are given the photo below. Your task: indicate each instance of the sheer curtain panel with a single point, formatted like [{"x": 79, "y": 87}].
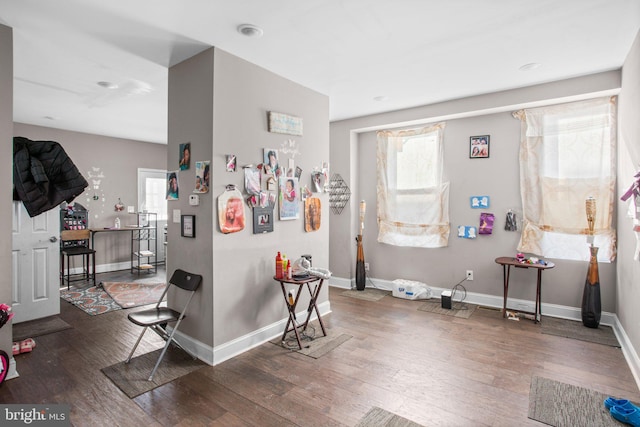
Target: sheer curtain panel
[
  {"x": 413, "y": 202},
  {"x": 567, "y": 153}
]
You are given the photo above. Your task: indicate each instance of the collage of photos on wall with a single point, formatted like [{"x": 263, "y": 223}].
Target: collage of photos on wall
[
  {"x": 273, "y": 191},
  {"x": 202, "y": 168}
]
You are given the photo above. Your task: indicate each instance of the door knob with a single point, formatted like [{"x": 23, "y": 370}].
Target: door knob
[{"x": 53, "y": 239}]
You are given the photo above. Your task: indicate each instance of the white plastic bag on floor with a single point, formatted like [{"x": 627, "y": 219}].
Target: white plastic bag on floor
[{"x": 409, "y": 289}]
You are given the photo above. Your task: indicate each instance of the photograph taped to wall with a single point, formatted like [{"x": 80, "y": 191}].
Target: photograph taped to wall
[
  {"x": 185, "y": 156},
  {"x": 231, "y": 162},
  {"x": 289, "y": 204},
  {"x": 202, "y": 177},
  {"x": 173, "y": 189},
  {"x": 270, "y": 161}
]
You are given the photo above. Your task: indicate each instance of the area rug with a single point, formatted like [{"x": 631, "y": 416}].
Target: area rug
[
  {"x": 134, "y": 294},
  {"x": 576, "y": 330},
  {"x": 367, "y": 294},
  {"x": 462, "y": 310},
  {"x": 316, "y": 347},
  {"x": 378, "y": 417},
  {"x": 92, "y": 301},
  {"x": 133, "y": 377},
  {"x": 564, "y": 405},
  {"x": 38, "y": 327}
]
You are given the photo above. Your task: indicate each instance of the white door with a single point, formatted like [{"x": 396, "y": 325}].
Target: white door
[{"x": 35, "y": 264}]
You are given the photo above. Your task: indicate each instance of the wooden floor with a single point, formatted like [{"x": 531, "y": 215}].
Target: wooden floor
[{"x": 432, "y": 369}]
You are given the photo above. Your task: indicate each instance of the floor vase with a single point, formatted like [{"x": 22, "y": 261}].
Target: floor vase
[
  {"x": 361, "y": 275},
  {"x": 591, "y": 305}
]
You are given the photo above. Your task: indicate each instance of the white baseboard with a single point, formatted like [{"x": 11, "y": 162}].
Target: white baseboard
[{"x": 213, "y": 356}]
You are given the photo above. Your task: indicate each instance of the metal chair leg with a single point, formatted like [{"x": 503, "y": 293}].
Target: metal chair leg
[{"x": 136, "y": 346}]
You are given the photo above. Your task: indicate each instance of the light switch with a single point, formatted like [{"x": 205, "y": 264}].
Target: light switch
[{"x": 176, "y": 216}]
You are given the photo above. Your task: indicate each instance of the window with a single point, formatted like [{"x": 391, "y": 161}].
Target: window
[
  {"x": 152, "y": 187},
  {"x": 413, "y": 203},
  {"x": 567, "y": 154}
]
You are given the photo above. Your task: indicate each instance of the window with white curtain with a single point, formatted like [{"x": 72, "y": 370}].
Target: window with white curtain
[
  {"x": 413, "y": 202},
  {"x": 567, "y": 154}
]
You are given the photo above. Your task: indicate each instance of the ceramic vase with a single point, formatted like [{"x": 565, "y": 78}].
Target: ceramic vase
[
  {"x": 361, "y": 275},
  {"x": 591, "y": 309}
]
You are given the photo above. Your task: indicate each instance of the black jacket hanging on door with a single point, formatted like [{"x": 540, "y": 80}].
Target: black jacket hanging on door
[{"x": 43, "y": 175}]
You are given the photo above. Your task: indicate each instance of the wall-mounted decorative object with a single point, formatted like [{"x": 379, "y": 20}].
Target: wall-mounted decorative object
[
  {"x": 312, "y": 214},
  {"x": 188, "y": 225},
  {"x": 284, "y": 123},
  {"x": 173, "y": 189},
  {"x": 511, "y": 223},
  {"x": 479, "y": 202},
  {"x": 289, "y": 147},
  {"x": 289, "y": 203},
  {"x": 486, "y": 223},
  {"x": 231, "y": 162},
  {"x": 119, "y": 207},
  {"x": 339, "y": 194},
  {"x": 252, "y": 179},
  {"x": 202, "y": 177},
  {"x": 325, "y": 173},
  {"x": 270, "y": 159},
  {"x": 231, "y": 217},
  {"x": 262, "y": 220},
  {"x": 317, "y": 181},
  {"x": 467, "y": 232},
  {"x": 479, "y": 147},
  {"x": 185, "y": 156}
]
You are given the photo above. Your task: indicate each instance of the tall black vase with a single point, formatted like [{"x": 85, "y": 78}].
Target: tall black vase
[
  {"x": 591, "y": 309},
  {"x": 361, "y": 275}
]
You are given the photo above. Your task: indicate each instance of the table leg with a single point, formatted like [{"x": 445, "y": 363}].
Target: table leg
[
  {"x": 292, "y": 316},
  {"x": 506, "y": 270},
  {"x": 313, "y": 305},
  {"x": 539, "y": 297}
]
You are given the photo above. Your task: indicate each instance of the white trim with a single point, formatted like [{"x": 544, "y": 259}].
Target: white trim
[{"x": 230, "y": 349}]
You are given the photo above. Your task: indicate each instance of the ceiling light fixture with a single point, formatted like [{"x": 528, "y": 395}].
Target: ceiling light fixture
[
  {"x": 530, "y": 66},
  {"x": 250, "y": 30},
  {"x": 381, "y": 98},
  {"x": 108, "y": 85}
]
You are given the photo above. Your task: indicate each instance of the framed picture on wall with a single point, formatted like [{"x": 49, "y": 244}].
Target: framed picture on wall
[
  {"x": 188, "y": 225},
  {"x": 479, "y": 147},
  {"x": 262, "y": 220}
]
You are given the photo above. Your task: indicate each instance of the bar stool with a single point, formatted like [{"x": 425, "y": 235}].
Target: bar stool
[{"x": 76, "y": 243}]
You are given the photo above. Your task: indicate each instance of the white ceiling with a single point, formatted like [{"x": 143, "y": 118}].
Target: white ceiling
[{"x": 415, "y": 52}]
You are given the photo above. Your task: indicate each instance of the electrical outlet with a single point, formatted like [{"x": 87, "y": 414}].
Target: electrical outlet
[
  {"x": 366, "y": 266},
  {"x": 469, "y": 274}
]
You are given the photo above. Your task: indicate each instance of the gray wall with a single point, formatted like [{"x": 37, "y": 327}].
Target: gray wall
[
  {"x": 240, "y": 295},
  {"x": 497, "y": 176},
  {"x": 117, "y": 160},
  {"x": 6, "y": 168},
  {"x": 629, "y": 148}
]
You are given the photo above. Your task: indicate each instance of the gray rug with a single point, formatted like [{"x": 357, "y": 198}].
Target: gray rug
[
  {"x": 132, "y": 377},
  {"x": 463, "y": 310},
  {"x": 316, "y": 347},
  {"x": 378, "y": 417},
  {"x": 564, "y": 405},
  {"x": 367, "y": 294},
  {"x": 576, "y": 330},
  {"x": 38, "y": 327}
]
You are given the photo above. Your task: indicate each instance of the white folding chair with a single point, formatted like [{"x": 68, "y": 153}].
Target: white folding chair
[{"x": 158, "y": 318}]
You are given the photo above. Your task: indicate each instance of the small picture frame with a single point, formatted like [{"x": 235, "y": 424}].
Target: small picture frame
[
  {"x": 262, "y": 219},
  {"x": 188, "y": 225},
  {"x": 479, "y": 147}
]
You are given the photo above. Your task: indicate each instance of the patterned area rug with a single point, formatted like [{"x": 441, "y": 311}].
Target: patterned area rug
[
  {"x": 134, "y": 294},
  {"x": 577, "y": 331},
  {"x": 463, "y": 310},
  {"x": 92, "y": 301}
]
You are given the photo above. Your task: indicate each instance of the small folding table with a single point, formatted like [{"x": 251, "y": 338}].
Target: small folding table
[{"x": 292, "y": 323}]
